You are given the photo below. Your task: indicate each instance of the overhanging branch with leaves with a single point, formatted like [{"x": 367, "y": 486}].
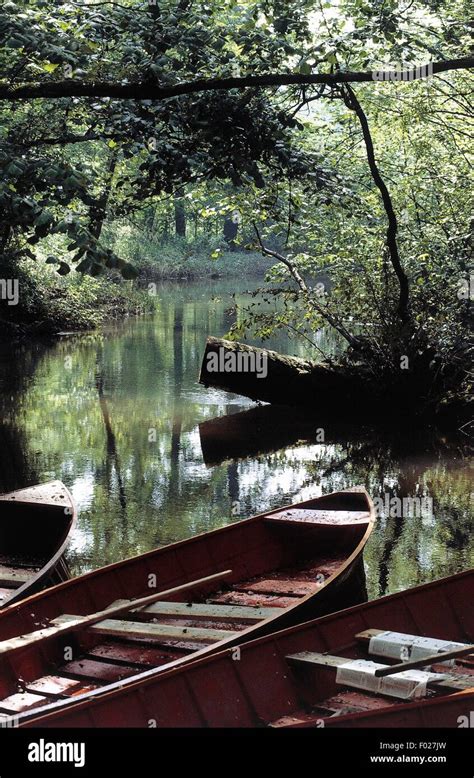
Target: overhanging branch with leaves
[{"x": 150, "y": 90}]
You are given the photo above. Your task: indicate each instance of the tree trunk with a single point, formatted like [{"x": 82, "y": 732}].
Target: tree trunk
[
  {"x": 265, "y": 375},
  {"x": 179, "y": 213},
  {"x": 231, "y": 228}
]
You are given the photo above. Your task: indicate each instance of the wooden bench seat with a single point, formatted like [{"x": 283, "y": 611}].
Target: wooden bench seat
[
  {"x": 443, "y": 683},
  {"x": 318, "y": 517},
  {"x": 206, "y": 610},
  {"x": 146, "y": 631},
  {"x": 15, "y": 577}
]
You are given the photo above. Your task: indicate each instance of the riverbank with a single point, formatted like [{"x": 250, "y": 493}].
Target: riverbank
[
  {"x": 48, "y": 303},
  {"x": 193, "y": 267}
]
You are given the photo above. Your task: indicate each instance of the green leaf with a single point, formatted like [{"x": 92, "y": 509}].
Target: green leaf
[
  {"x": 49, "y": 67},
  {"x": 305, "y": 68}
]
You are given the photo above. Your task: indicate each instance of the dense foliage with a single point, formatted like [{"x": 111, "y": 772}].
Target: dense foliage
[{"x": 368, "y": 183}]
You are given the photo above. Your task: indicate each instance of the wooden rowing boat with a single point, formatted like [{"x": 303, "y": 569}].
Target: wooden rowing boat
[
  {"x": 305, "y": 676},
  {"x": 286, "y": 565},
  {"x": 35, "y": 525}
]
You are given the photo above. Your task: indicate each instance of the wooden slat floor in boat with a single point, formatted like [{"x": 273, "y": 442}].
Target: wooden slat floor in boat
[
  {"x": 139, "y": 655},
  {"x": 281, "y": 588},
  {"x": 338, "y": 705},
  {"x": 252, "y": 599},
  {"x": 140, "y": 640},
  {"x": 97, "y": 671},
  {"x": 57, "y": 686}
]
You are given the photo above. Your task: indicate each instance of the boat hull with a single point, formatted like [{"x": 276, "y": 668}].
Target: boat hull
[
  {"x": 256, "y": 685},
  {"x": 273, "y": 558},
  {"x": 35, "y": 527}
]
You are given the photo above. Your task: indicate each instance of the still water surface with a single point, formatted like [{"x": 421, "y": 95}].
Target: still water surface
[{"x": 120, "y": 418}]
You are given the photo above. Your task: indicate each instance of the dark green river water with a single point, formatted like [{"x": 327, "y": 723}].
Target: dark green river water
[{"x": 120, "y": 418}]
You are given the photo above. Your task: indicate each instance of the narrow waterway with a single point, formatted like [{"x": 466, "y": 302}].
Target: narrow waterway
[{"x": 120, "y": 418}]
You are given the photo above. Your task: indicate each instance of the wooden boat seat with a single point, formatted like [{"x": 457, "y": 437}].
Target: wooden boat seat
[
  {"x": 14, "y": 577},
  {"x": 318, "y": 517},
  {"x": 190, "y": 610},
  {"x": 146, "y": 631},
  {"x": 436, "y": 682},
  {"x": 391, "y": 645}
]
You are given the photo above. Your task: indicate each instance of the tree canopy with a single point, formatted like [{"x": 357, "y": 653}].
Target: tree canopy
[{"x": 338, "y": 129}]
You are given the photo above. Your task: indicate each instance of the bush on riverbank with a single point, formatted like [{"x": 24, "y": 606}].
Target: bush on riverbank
[
  {"x": 179, "y": 258},
  {"x": 49, "y": 303}
]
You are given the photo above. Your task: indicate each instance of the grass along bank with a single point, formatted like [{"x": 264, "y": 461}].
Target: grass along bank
[{"x": 49, "y": 303}]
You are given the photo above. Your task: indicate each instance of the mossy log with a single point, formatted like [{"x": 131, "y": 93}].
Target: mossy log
[{"x": 265, "y": 375}]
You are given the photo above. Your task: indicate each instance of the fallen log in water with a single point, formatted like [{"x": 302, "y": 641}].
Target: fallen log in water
[{"x": 265, "y": 375}]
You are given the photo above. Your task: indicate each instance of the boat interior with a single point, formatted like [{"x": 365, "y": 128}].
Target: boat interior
[
  {"x": 30, "y": 536},
  {"x": 342, "y": 682},
  {"x": 277, "y": 562}
]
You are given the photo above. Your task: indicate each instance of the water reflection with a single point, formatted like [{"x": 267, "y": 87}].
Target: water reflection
[{"x": 119, "y": 416}]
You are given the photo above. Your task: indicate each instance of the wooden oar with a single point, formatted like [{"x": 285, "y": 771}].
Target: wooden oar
[
  {"x": 41, "y": 635},
  {"x": 427, "y": 660}
]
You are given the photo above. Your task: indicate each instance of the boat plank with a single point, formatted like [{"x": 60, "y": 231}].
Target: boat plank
[
  {"x": 249, "y": 599},
  {"x": 318, "y": 517},
  {"x": 199, "y": 610},
  {"x": 279, "y": 586},
  {"x": 56, "y": 685},
  {"x": 118, "y": 628},
  {"x": 15, "y": 576},
  {"x": 16, "y": 703},
  {"x": 134, "y": 654},
  {"x": 103, "y": 672}
]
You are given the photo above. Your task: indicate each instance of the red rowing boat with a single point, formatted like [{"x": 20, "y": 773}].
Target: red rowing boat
[
  {"x": 35, "y": 526},
  {"x": 317, "y": 674},
  {"x": 286, "y": 565}
]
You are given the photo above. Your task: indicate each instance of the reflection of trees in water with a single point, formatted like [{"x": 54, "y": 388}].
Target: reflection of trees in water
[
  {"x": 112, "y": 454},
  {"x": 390, "y": 462},
  {"x": 16, "y": 470},
  {"x": 17, "y": 367},
  {"x": 149, "y": 372},
  {"x": 177, "y": 418}
]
